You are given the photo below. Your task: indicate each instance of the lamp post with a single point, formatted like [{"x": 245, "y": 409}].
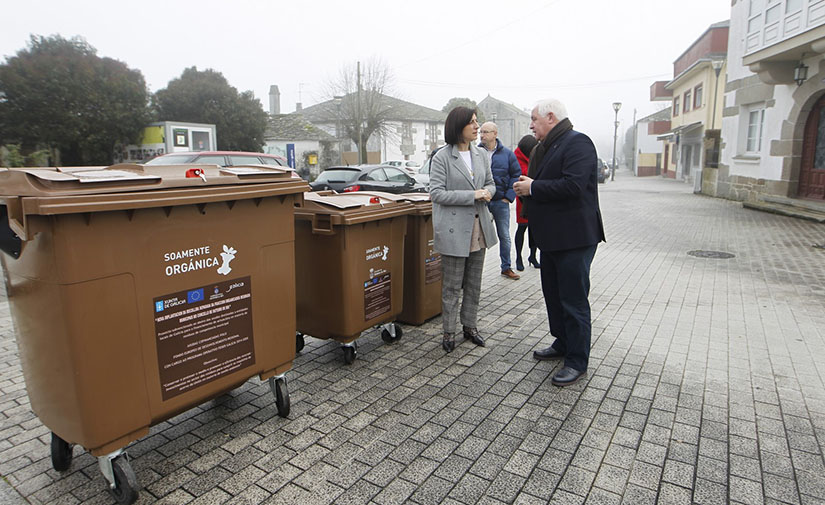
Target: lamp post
[
  {"x": 616, "y": 107},
  {"x": 717, "y": 67},
  {"x": 337, "y": 101}
]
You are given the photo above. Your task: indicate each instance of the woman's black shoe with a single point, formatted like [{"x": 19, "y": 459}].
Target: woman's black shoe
[
  {"x": 532, "y": 260},
  {"x": 473, "y": 335},
  {"x": 448, "y": 342},
  {"x": 519, "y": 264}
]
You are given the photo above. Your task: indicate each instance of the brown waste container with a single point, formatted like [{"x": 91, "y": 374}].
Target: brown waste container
[
  {"x": 349, "y": 263},
  {"x": 422, "y": 265},
  {"x": 138, "y": 292}
]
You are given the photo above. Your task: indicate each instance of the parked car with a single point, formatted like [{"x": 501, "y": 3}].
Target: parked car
[
  {"x": 366, "y": 178},
  {"x": 410, "y": 166},
  {"x": 220, "y": 158},
  {"x": 602, "y": 170},
  {"x": 423, "y": 175}
]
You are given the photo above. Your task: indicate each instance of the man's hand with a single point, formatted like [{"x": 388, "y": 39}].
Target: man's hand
[
  {"x": 522, "y": 186},
  {"x": 483, "y": 194}
]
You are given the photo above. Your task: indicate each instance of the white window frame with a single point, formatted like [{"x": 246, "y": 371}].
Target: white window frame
[
  {"x": 752, "y": 129},
  {"x": 698, "y": 98}
]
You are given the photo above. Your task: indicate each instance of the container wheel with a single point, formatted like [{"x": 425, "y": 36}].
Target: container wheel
[
  {"x": 126, "y": 484},
  {"x": 61, "y": 454},
  {"x": 349, "y": 354},
  {"x": 281, "y": 393},
  {"x": 299, "y": 341},
  {"x": 388, "y": 338}
]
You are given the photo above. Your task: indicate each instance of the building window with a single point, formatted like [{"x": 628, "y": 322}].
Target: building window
[
  {"x": 676, "y": 106},
  {"x": 697, "y": 96},
  {"x": 755, "y": 15},
  {"x": 756, "y": 121},
  {"x": 687, "y": 100}
]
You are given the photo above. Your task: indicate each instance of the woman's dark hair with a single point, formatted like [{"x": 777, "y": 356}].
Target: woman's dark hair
[
  {"x": 526, "y": 144},
  {"x": 457, "y": 119}
]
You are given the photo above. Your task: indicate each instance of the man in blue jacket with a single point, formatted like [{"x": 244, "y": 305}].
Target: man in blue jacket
[
  {"x": 506, "y": 172},
  {"x": 562, "y": 201}
]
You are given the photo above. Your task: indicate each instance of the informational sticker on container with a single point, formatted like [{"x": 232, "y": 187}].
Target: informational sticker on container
[
  {"x": 432, "y": 269},
  {"x": 377, "y": 296},
  {"x": 203, "y": 334}
]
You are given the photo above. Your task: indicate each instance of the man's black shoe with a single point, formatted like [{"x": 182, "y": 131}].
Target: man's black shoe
[
  {"x": 473, "y": 335},
  {"x": 567, "y": 376},
  {"x": 547, "y": 353}
]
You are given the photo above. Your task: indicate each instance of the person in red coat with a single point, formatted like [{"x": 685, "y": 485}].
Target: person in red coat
[{"x": 525, "y": 146}]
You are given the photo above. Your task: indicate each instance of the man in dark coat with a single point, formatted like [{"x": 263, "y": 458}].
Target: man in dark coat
[{"x": 562, "y": 202}]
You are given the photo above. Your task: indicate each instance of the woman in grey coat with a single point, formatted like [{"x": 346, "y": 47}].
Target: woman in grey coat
[{"x": 461, "y": 184}]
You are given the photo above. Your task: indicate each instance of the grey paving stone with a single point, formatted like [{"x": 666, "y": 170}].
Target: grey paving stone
[
  {"x": 469, "y": 489},
  {"x": 432, "y": 491},
  {"x": 670, "y": 494},
  {"x": 746, "y": 491},
  {"x": 577, "y": 480}
]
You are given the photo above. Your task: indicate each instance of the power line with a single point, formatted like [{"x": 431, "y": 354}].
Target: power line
[{"x": 532, "y": 86}]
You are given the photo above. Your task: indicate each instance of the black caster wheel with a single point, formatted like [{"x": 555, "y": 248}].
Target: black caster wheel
[
  {"x": 61, "y": 454},
  {"x": 388, "y": 338},
  {"x": 281, "y": 393},
  {"x": 299, "y": 341},
  {"x": 350, "y": 352},
  {"x": 126, "y": 484}
]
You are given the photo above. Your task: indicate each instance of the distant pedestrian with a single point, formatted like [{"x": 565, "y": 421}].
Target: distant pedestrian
[
  {"x": 522, "y": 152},
  {"x": 506, "y": 171},
  {"x": 461, "y": 184},
  {"x": 562, "y": 202}
]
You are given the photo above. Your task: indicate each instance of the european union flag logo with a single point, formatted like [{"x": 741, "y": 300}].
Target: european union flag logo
[{"x": 194, "y": 296}]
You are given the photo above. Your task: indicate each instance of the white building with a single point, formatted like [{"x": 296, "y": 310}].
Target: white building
[
  {"x": 411, "y": 133},
  {"x": 648, "y": 159},
  {"x": 773, "y": 129}
]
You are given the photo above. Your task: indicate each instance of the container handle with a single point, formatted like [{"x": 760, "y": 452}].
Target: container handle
[
  {"x": 10, "y": 243},
  {"x": 17, "y": 218},
  {"x": 322, "y": 224}
]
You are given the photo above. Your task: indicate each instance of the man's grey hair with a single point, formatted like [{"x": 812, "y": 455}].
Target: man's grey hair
[
  {"x": 491, "y": 125},
  {"x": 544, "y": 107}
]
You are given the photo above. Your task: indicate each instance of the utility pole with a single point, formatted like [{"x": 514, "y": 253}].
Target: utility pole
[
  {"x": 358, "y": 114},
  {"x": 635, "y": 149},
  {"x": 616, "y": 107}
]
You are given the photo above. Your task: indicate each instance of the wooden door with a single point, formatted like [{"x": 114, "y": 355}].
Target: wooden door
[{"x": 812, "y": 175}]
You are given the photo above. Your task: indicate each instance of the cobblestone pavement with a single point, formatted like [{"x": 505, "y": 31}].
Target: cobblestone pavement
[{"x": 706, "y": 386}]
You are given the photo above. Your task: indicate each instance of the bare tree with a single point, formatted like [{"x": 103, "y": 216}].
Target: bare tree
[{"x": 360, "y": 96}]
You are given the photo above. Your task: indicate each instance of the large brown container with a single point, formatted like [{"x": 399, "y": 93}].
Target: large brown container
[
  {"x": 422, "y": 265},
  {"x": 349, "y": 262},
  {"x": 139, "y": 292}
]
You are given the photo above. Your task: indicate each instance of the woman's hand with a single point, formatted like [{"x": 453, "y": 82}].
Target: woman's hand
[{"x": 483, "y": 194}]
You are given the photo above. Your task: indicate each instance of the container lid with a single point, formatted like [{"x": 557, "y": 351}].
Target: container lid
[
  {"x": 421, "y": 203},
  {"x": 352, "y": 208},
  {"x": 61, "y": 181},
  {"x": 54, "y": 191}
]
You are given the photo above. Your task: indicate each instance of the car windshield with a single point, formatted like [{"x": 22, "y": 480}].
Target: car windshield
[
  {"x": 338, "y": 175},
  {"x": 175, "y": 159}
]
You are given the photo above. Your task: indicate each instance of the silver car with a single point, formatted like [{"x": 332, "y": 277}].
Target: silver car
[{"x": 423, "y": 175}]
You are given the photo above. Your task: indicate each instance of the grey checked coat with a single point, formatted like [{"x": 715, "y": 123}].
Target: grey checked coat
[{"x": 454, "y": 206}]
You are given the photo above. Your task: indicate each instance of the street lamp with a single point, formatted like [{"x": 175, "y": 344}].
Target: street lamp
[
  {"x": 717, "y": 67},
  {"x": 616, "y": 107}
]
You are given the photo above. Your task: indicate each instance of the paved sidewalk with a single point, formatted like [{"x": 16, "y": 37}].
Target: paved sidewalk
[{"x": 706, "y": 386}]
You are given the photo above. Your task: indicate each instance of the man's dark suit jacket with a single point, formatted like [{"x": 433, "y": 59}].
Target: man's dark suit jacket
[{"x": 563, "y": 209}]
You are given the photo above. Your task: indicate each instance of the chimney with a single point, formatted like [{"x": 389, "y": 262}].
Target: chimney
[
  {"x": 298, "y": 107},
  {"x": 274, "y": 100}
]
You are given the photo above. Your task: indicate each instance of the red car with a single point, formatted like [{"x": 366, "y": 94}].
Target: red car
[{"x": 220, "y": 158}]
